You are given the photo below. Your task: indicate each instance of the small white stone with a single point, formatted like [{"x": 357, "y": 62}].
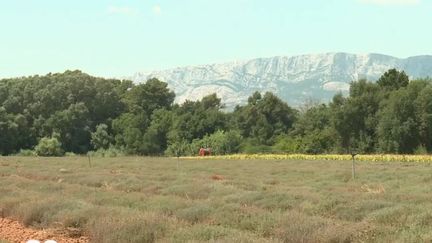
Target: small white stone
[
  {"x": 32, "y": 241},
  {"x": 62, "y": 170}
]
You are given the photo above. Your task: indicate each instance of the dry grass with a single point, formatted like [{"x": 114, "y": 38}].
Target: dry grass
[{"x": 133, "y": 199}]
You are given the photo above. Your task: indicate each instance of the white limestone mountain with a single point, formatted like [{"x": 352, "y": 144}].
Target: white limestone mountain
[{"x": 295, "y": 79}]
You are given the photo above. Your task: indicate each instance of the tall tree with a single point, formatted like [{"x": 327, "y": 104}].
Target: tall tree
[
  {"x": 398, "y": 123},
  {"x": 313, "y": 131},
  {"x": 195, "y": 119},
  {"x": 393, "y": 80},
  {"x": 264, "y": 118}
]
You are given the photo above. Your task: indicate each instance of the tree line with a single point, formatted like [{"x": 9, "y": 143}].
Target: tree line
[{"x": 77, "y": 113}]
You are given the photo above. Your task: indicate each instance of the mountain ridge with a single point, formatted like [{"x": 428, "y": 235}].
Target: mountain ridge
[{"x": 293, "y": 78}]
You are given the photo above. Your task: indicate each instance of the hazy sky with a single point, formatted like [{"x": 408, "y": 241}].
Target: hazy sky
[{"x": 118, "y": 38}]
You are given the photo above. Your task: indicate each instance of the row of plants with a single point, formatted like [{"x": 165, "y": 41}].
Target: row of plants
[{"x": 337, "y": 157}]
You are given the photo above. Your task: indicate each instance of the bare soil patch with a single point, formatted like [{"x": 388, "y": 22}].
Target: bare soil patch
[{"x": 14, "y": 231}]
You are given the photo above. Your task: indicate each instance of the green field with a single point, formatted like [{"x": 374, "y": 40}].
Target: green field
[{"x": 135, "y": 199}]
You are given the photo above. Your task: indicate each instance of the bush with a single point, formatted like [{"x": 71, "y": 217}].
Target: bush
[
  {"x": 203, "y": 233},
  {"x": 26, "y": 152},
  {"x": 110, "y": 152},
  {"x": 421, "y": 150},
  {"x": 70, "y": 154},
  {"x": 286, "y": 144},
  {"x": 220, "y": 142},
  {"x": 194, "y": 214},
  {"x": 180, "y": 148},
  {"x": 128, "y": 227},
  {"x": 256, "y": 149},
  {"x": 252, "y": 146},
  {"x": 49, "y": 147}
]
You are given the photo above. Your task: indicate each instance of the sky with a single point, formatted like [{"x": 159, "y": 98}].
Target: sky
[{"x": 113, "y": 38}]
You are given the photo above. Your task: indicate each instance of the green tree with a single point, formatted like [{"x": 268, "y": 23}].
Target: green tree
[
  {"x": 149, "y": 97},
  {"x": 398, "y": 128},
  {"x": 101, "y": 139},
  {"x": 195, "y": 119},
  {"x": 14, "y": 133},
  {"x": 8, "y": 132},
  {"x": 155, "y": 139},
  {"x": 73, "y": 125},
  {"x": 129, "y": 129},
  {"x": 355, "y": 118},
  {"x": 423, "y": 105},
  {"x": 393, "y": 80},
  {"x": 312, "y": 133},
  {"x": 71, "y": 103},
  {"x": 264, "y": 118}
]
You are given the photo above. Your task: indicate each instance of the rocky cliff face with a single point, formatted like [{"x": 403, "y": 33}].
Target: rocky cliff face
[{"x": 294, "y": 79}]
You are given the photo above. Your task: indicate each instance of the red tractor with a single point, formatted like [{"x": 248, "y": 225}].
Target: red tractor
[{"x": 204, "y": 152}]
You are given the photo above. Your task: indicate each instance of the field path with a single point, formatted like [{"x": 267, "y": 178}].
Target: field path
[{"x": 14, "y": 231}]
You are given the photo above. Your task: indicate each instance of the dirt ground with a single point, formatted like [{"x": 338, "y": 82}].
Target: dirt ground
[{"x": 13, "y": 231}]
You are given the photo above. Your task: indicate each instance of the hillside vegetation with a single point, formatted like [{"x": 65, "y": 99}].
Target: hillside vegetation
[{"x": 73, "y": 112}]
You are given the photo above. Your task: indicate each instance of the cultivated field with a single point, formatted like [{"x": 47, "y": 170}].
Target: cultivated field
[{"x": 134, "y": 199}]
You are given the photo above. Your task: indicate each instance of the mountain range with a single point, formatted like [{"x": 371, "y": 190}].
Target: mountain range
[{"x": 295, "y": 79}]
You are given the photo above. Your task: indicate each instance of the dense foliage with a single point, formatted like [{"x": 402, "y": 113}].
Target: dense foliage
[{"x": 75, "y": 112}]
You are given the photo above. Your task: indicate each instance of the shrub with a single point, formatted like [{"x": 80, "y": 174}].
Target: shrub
[
  {"x": 110, "y": 152},
  {"x": 220, "y": 142},
  {"x": 421, "y": 150},
  {"x": 70, "y": 154},
  {"x": 286, "y": 144},
  {"x": 49, "y": 147},
  {"x": 139, "y": 228},
  {"x": 195, "y": 214},
  {"x": 39, "y": 213},
  {"x": 180, "y": 148},
  {"x": 26, "y": 152},
  {"x": 202, "y": 233},
  {"x": 251, "y": 146}
]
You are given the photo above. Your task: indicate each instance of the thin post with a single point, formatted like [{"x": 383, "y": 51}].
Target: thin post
[
  {"x": 89, "y": 161},
  {"x": 178, "y": 162},
  {"x": 353, "y": 166},
  {"x": 178, "y": 159}
]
